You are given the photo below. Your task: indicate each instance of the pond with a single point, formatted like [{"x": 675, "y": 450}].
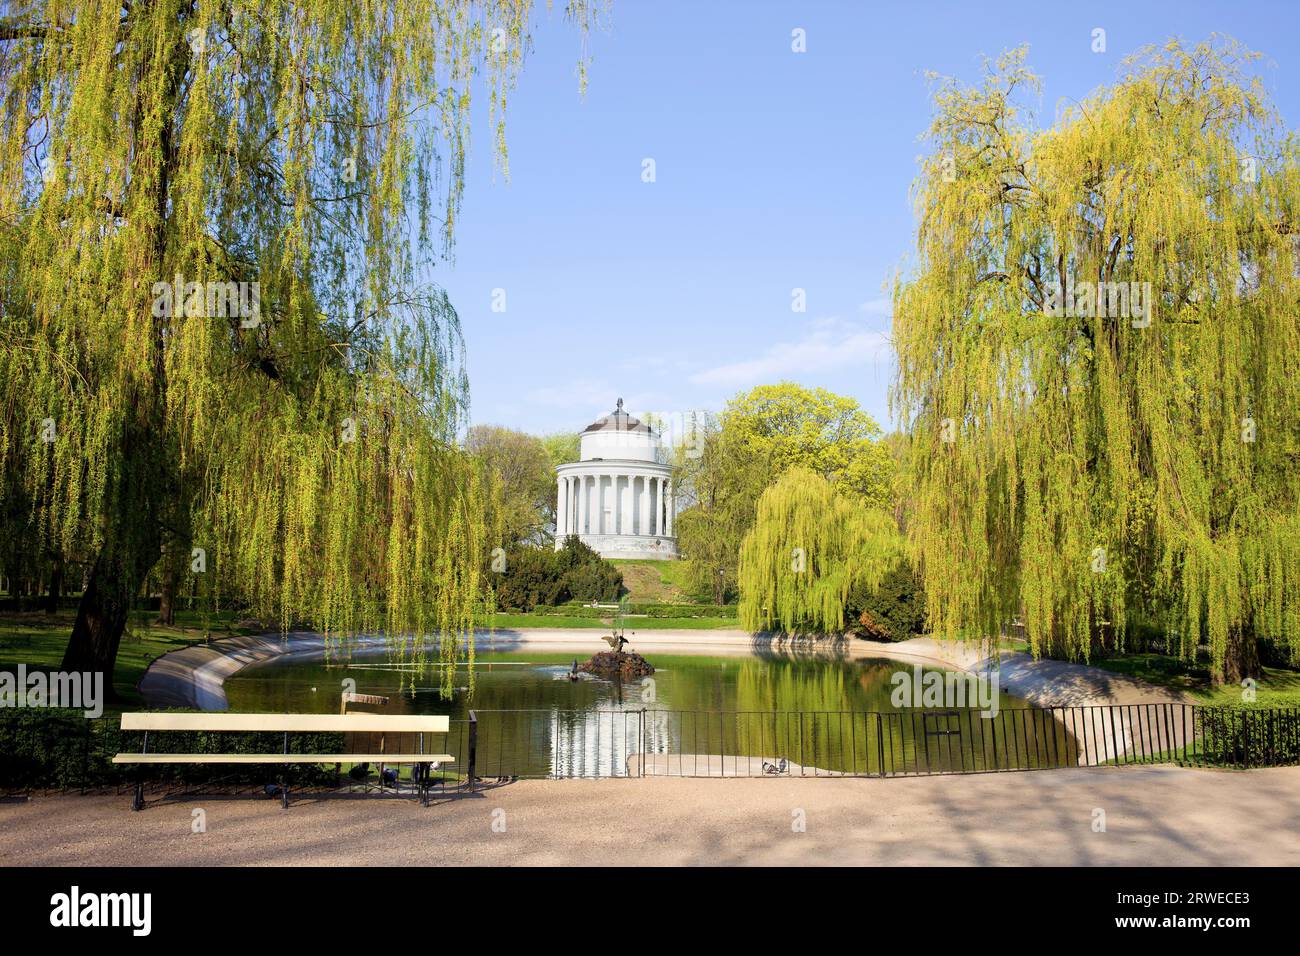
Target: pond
[{"x": 822, "y": 713}]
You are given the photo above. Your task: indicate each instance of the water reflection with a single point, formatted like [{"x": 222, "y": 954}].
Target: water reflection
[{"x": 696, "y": 714}]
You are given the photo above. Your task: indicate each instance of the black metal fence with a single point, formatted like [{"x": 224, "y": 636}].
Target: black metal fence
[
  {"x": 652, "y": 742},
  {"x": 60, "y": 750}
]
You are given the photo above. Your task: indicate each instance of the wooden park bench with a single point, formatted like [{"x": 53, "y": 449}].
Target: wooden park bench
[{"x": 381, "y": 724}]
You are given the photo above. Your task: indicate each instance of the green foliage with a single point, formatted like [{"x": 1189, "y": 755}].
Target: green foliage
[
  {"x": 894, "y": 610},
  {"x": 656, "y": 610},
  {"x": 562, "y": 447},
  {"x": 517, "y": 466},
  {"x": 760, "y": 435},
  {"x": 786, "y": 426},
  {"x": 541, "y": 576},
  {"x": 809, "y": 548},
  {"x": 593, "y": 581},
  {"x": 1073, "y": 468},
  {"x": 307, "y": 447},
  {"x": 663, "y": 610},
  {"x": 1235, "y": 736}
]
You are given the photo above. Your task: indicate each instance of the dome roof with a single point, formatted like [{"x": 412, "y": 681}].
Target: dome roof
[{"x": 618, "y": 421}]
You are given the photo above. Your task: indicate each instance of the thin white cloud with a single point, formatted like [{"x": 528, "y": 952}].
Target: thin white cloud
[
  {"x": 579, "y": 394},
  {"x": 883, "y": 307},
  {"x": 588, "y": 398},
  {"x": 828, "y": 345}
]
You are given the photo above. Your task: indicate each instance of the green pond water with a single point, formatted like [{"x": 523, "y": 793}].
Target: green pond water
[{"x": 819, "y": 713}]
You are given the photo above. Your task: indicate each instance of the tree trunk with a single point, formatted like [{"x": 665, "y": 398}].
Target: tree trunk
[
  {"x": 132, "y": 546},
  {"x": 167, "y": 601},
  {"x": 56, "y": 587},
  {"x": 102, "y": 615},
  {"x": 1241, "y": 659}
]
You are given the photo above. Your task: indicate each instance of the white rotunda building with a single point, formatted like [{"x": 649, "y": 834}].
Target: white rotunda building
[{"x": 619, "y": 498}]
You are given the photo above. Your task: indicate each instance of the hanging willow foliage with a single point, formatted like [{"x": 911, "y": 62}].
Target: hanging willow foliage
[
  {"x": 808, "y": 547},
  {"x": 1099, "y": 361},
  {"x": 292, "y": 432}
]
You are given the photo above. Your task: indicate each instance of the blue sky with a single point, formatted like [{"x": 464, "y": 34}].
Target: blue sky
[{"x": 774, "y": 170}]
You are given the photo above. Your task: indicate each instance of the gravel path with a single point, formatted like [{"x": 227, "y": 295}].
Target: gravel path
[{"x": 1153, "y": 816}]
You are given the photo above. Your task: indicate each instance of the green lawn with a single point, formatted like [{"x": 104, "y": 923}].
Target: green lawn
[
  {"x": 1277, "y": 687},
  {"x": 39, "y": 640}
]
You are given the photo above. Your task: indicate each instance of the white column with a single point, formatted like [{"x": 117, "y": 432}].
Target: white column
[
  {"x": 654, "y": 506},
  {"x": 583, "y": 508},
  {"x": 570, "y": 506},
  {"x": 659, "y": 508},
  {"x": 615, "y": 504},
  {"x": 643, "y": 526},
  {"x": 575, "y": 517},
  {"x": 668, "y": 510},
  {"x": 625, "y": 506},
  {"x": 600, "y": 505},
  {"x": 561, "y": 505}
]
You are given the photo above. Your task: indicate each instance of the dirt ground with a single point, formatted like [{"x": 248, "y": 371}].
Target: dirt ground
[{"x": 1151, "y": 816}]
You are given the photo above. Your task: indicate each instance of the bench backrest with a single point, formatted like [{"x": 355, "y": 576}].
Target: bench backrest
[{"x": 369, "y": 723}]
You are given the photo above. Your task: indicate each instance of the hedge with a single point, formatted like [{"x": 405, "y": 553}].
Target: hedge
[
  {"x": 656, "y": 610},
  {"x": 1249, "y": 737},
  {"x": 46, "y": 749}
]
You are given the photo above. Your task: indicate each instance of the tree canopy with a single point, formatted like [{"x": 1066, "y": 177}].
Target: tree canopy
[
  {"x": 518, "y": 467},
  {"x": 810, "y": 546},
  {"x": 1099, "y": 360},
  {"x": 760, "y": 435},
  {"x": 785, "y": 425},
  {"x": 218, "y": 329}
]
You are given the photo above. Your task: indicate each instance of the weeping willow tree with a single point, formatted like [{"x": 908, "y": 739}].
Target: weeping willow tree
[
  {"x": 1099, "y": 361},
  {"x": 808, "y": 547},
  {"x": 219, "y": 340}
]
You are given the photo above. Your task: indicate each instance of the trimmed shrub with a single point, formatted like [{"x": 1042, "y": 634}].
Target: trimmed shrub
[
  {"x": 540, "y": 576},
  {"x": 894, "y": 611},
  {"x": 1250, "y": 737}
]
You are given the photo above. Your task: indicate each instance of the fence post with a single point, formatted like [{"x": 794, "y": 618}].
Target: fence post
[
  {"x": 880, "y": 743},
  {"x": 802, "y": 758},
  {"x": 85, "y": 756},
  {"x": 471, "y": 763},
  {"x": 641, "y": 745}
]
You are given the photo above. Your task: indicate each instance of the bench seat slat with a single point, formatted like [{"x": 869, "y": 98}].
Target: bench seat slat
[
  {"x": 324, "y": 723},
  {"x": 284, "y": 758}
]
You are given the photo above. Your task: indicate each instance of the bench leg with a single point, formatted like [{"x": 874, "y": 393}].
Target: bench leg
[
  {"x": 137, "y": 799},
  {"x": 284, "y": 795},
  {"x": 424, "y": 784}
]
